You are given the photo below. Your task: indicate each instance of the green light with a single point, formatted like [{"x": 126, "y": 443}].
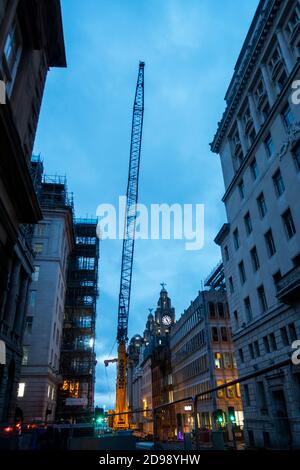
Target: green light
[
  {"x": 220, "y": 419},
  {"x": 99, "y": 420}
]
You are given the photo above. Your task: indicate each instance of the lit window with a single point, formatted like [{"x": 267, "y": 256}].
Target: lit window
[
  {"x": 230, "y": 391},
  {"x": 38, "y": 248},
  {"x": 21, "y": 390},
  {"x": 218, "y": 360},
  {"x": 227, "y": 360}
]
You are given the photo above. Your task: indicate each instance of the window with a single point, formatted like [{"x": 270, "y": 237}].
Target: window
[
  {"x": 21, "y": 390},
  {"x": 247, "y": 395},
  {"x": 224, "y": 334},
  {"x": 25, "y": 356},
  {"x": 211, "y": 308},
  {"x": 271, "y": 248},
  {"x": 242, "y": 189},
  {"x": 218, "y": 360},
  {"x": 236, "y": 319},
  {"x": 214, "y": 334},
  {"x": 256, "y": 349},
  {"x": 12, "y": 55},
  {"x": 266, "y": 344},
  {"x": 248, "y": 309},
  {"x": 227, "y": 360},
  {"x": 231, "y": 288},
  {"x": 220, "y": 393},
  {"x": 32, "y": 300},
  {"x": 296, "y": 155},
  {"x": 251, "y": 350},
  {"x": 262, "y": 207},
  {"x": 241, "y": 356},
  {"x": 284, "y": 336},
  {"x": 262, "y": 400},
  {"x": 248, "y": 223},
  {"x": 282, "y": 79},
  {"x": 262, "y": 299},
  {"x": 288, "y": 223},
  {"x": 38, "y": 248},
  {"x": 41, "y": 230},
  {"x": 278, "y": 183},
  {"x": 221, "y": 310},
  {"x": 273, "y": 343},
  {"x": 293, "y": 21},
  {"x": 226, "y": 253},
  {"x": 277, "y": 277},
  {"x": 242, "y": 272},
  {"x": 269, "y": 146},
  {"x": 28, "y": 324},
  {"x": 254, "y": 259},
  {"x": 287, "y": 116},
  {"x": 292, "y": 332},
  {"x": 35, "y": 274},
  {"x": 230, "y": 391},
  {"x": 254, "y": 169},
  {"x": 236, "y": 239}
]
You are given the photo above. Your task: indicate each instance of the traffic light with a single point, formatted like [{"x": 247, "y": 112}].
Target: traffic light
[
  {"x": 99, "y": 415},
  {"x": 219, "y": 417},
  {"x": 231, "y": 415}
]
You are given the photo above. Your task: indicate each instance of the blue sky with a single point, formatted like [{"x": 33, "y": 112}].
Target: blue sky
[{"x": 190, "y": 48}]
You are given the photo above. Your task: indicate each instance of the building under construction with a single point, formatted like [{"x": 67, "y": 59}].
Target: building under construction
[{"x": 78, "y": 359}]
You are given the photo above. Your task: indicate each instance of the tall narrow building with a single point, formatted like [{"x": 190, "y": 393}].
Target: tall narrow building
[
  {"x": 78, "y": 359},
  {"x": 53, "y": 241},
  {"x": 258, "y": 141},
  {"x": 31, "y": 42}
]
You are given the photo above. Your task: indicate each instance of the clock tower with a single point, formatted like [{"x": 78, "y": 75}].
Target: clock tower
[{"x": 164, "y": 314}]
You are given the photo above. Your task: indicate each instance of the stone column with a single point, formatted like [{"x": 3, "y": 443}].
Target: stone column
[
  {"x": 286, "y": 53},
  {"x": 21, "y": 307},
  {"x": 11, "y": 303},
  {"x": 253, "y": 112},
  {"x": 242, "y": 136},
  {"x": 269, "y": 87}
]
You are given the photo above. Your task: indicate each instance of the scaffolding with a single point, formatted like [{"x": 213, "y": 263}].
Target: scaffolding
[{"x": 78, "y": 359}]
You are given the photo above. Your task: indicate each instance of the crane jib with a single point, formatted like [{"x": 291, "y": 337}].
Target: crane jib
[{"x": 131, "y": 208}]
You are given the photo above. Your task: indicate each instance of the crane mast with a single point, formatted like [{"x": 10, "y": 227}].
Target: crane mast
[{"x": 121, "y": 420}]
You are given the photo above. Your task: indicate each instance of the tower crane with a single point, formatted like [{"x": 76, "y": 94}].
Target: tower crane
[{"x": 121, "y": 418}]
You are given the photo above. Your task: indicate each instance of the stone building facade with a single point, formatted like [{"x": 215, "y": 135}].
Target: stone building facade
[
  {"x": 203, "y": 357},
  {"x": 258, "y": 140},
  {"x": 31, "y": 41}
]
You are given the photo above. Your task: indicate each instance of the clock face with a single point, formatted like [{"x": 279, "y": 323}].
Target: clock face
[{"x": 166, "y": 320}]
